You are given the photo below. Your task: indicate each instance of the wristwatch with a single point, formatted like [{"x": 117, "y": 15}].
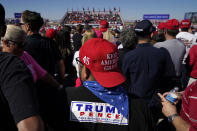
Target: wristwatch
[{"x": 171, "y": 118}]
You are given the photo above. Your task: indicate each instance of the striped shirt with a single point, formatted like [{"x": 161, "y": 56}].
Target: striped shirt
[{"x": 189, "y": 106}]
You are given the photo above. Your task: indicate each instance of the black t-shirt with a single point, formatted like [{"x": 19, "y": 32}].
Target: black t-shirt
[
  {"x": 17, "y": 92},
  {"x": 79, "y": 100},
  {"x": 44, "y": 51}
]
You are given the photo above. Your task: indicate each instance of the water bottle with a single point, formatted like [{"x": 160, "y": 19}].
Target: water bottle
[{"x": 172, "y": 97}]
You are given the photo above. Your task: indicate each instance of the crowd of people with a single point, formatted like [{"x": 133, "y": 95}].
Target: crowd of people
[
  {"x": 92, "y": 17},
  {"x": 97, "y": 79}
]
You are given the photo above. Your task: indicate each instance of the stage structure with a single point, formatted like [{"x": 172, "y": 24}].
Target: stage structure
[
  {"x": 192, "y": 16},
  {"x": 92, "y": 17}
]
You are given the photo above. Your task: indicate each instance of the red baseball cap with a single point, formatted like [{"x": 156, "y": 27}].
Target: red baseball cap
[
  {"x": 172, "y": 24},
  {"x": 104, "y": 25},
  {"x": 161, "y": 26},
  {"x": 50, "y": 33},
  {"x": 101, "y": 58},
  {"x": 185, "y": 24}
]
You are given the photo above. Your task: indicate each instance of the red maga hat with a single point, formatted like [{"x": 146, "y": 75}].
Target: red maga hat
[
  {"x": 104, "y": 25},
  {"x": 185, "y": 24},
  {"x": 161, "y": 26},
  {"x": 50, "y": 33},
  {"x": 172, "y": 24},
  {"x": 101, "y": 58}
]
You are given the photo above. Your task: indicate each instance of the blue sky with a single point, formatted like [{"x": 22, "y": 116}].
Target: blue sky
[{"x": 130, "y": 9}]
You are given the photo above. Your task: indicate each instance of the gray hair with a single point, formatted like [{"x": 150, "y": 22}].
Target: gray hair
[
  {"x": 14, "y": 34},
  {"x": 128, "y": 38}
]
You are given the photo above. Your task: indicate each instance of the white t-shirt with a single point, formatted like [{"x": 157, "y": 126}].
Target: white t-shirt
[
  {"x": 188, "y": 39},
  {"x": 75, "y": 62},
  {"x": 195, "y": 34},
  {"x": 187, "y": 36},
  {"x": 121, "y": 28},
  {"x": 120, "y": 46}
]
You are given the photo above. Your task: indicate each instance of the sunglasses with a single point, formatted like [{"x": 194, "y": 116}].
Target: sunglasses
[
  {"x": 78, "y": 61},
  {"x": 19, "y": 44},
  {"x": 21, "y": 23}
]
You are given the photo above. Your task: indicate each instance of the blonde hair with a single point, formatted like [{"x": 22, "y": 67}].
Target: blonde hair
[{"x": 88, "y": 35}]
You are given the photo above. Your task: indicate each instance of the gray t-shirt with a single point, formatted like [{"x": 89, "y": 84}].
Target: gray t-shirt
[{"x": 176, "y": 49}]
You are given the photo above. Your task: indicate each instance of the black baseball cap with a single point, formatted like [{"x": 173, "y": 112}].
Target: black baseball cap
[{"x": 144, "y": 28}]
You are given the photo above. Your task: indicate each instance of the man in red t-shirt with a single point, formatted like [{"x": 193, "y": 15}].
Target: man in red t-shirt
[
  {"x": 192, "y": 64},
  {"x": 187, "y": 120}
]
